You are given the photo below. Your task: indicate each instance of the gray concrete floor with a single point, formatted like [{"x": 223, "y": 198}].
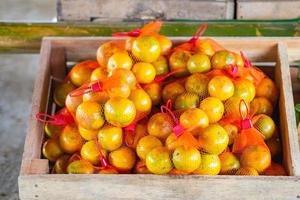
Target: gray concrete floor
[{"x": 17, "y": 74}]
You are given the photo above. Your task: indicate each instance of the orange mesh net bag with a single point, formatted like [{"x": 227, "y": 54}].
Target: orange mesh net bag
[
  {"x": 248, "y": 135},
  {"x": 103, "y": 85},
  {"x": 184, "y": 136}
]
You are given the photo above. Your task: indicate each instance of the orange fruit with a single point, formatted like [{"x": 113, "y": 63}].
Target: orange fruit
[
  {"x": 229, "y": 163},
  {"x": 122, "y": 90},
  {"x": 140, "y": 131},
  {"x": 238, "y": 59},
  {"x": 61, "y": 92},
  {"x": 222, "y": 58},
  {"x": 155, "y": 92},
  {"x": 119, "y": 111},
  {"x": 123, "y": 159},
  {"x": 119, "y": 59},
  {"x": 108, "y": 171},
  {"x": 52, "y": 130},
  {"x": 232, "y": 132},
  {"x": 89, "y": 115},
  {"x": 194, "y": 117},
  {"x": 126, "y": 76},
  {"x": 165, "y": 44},
  {"x": 198, "y": 84},
  {"x": 141, "y": 100},
  {"x": 171, "y": 143},
  {"x": 187, "y": 160},
  {"x": 178, "y": 60},
  {"x": 171, "y": 91},
  {"x": 274, "y": 146},
  {"x": 198, "y": 63},
  {"x": 106, "y": 50},
  {"x": 158, "y": 161},
  {"x": 214, "y": 139},
  {"x": 110, "y": 137},
  {"x": 90, "y": 152},
  {"x": 146, "y": 144},
  {"x": 51, "y": 150},
  {"x": 60, "y": 166},
  {"x": 246, "y": 171},
  {"x": 205, "y": 47},
  {"x": 72, "y": 103},
  {"x": 98, "y": 74},
  {"x": 99, "y": 97},
  {"x": 266, "y": 126},
  {"x": 175, "y": 171},
  {"x": 257, "y": 157},
  {"x": 87, "y": 134},
  {"x": 233, "y": 107},
  {"x": 213, "y": 108},
  {"x": 70, "y": 140},
  {"x": 146, "y": 48},
  {"x": 244, "y": 89},
  {"x": 261, "y": 105},
  {"x": 80, "y": 167},
  {"x": 221, "y": 87},
  {"x": 267, "y": 89},
  {"x": 158, "y": 126},
  {"x": 140, "y": 167},
  {"x": 210, "y": 165},
  {"x": 161, "y": 65},
  {"x": 186, "y": 100},
  {"x": 80, "y": 74},
  {"x": 275, "y": 170},
  {"x": 144, "y": 72}
]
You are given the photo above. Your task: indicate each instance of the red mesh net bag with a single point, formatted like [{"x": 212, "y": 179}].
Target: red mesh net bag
[
  {"x": 248, "y": 135},
  {"x": 62, "y": 118},
  {"x": 130, "y": 130}
]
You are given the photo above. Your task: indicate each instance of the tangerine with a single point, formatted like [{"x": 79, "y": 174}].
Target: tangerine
[
  {"x": 89, "y": 115},
  {"x": 146, "y": 144},
  {"x": 221, "y": 87},
  {"x": 213, "y": 108},
  {"x": 158, "y": 161},
  {"x": 144, "y": 72},
  {"x": 110, "y": 137},
  {"x": 119, "y": 111}
]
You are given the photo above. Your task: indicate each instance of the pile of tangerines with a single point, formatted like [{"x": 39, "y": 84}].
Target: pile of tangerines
[{"x": 149, "y": 106}]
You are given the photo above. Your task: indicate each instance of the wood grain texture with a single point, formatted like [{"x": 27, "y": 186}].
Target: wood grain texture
[
  {"x": 99, "y": 10},
  {"x": 142, "y": 187},
  {"x": 287, "y": 119},
  {"x": 268, "y": 9},
  {"x": 34, "y": 138}
]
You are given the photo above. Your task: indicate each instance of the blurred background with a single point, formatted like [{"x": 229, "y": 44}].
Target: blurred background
[{"x": 17, "y": 74}]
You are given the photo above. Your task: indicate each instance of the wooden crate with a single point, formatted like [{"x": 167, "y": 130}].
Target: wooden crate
[
  {"x": 267, "y": 9},
  {"x": 35, "y": 182},
  {"x": 97, "y": 10}
]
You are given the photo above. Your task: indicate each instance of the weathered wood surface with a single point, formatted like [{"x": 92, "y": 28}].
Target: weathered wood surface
[
  {"x": 267, "y": 9},
  {"x": 142, "y": 187},
  {"x": 26, "y": 37},
  {"x": 98, "y": 10}
]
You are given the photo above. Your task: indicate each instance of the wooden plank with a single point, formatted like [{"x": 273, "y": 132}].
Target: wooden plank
[
  {"x": 34, "y": 137},
  {"x": 268, "y": 9},
  {"x": 288, "y": 127},
  {"x": 35, "y": 166},
  {"x": 27, "y": 37},
  {"x": 115, "y": 10},
  {"x": 142, "y": 187}
]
